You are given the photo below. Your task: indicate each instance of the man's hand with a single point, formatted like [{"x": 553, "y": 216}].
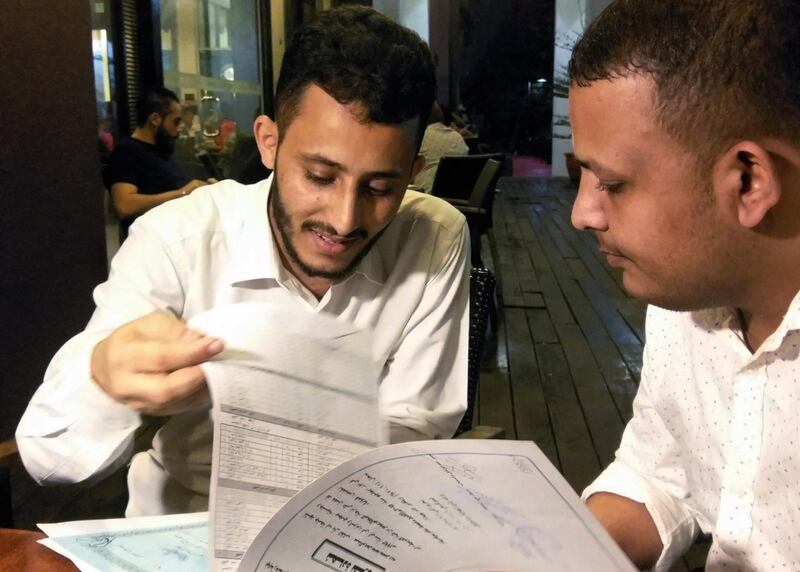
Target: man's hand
[
  {"x": 191, "y": 186},
  {"x": 151, "y": 365},
  {"x": 630, "y": 525}
]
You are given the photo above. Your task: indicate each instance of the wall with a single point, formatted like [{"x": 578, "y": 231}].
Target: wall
[
  {"x": 410, "y": 13},
  {"x": 278, "y": 31},
  {"x": 594, "y": 7},
  {"x": 52, "y": 241},
  {"x": 572, "y": 17},
  {"x": 570, "y": 23}
]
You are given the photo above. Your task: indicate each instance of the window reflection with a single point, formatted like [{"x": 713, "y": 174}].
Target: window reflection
[{"x": 211, "y": 60}]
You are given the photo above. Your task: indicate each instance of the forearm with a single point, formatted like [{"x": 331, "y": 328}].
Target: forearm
[
  {"x": 132, "y": 205},
  {"x": 630, "y": 525},
  {"x": 71, "y": 431}
]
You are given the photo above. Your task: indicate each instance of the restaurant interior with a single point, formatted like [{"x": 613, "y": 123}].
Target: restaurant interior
[{"x": 562, "y": 350}]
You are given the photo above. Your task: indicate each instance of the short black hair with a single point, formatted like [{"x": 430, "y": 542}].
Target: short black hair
[
  {"x": 724, "y": 70},
  {"x": 357, "y": 55},
  {"x": 155, "y": 100}
]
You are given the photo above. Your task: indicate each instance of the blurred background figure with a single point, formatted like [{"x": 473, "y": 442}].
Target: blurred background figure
[
  {"x": 141, "y": 173},
  {"x": 439, "y": 140}
]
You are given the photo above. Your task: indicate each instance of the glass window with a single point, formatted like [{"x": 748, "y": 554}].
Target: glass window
[{"x": 211, "y": 60}]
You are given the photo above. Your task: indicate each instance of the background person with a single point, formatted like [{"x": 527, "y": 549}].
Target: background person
[
  {"x": 439, "y": 140},
  {"x": 141, "y": 173}
]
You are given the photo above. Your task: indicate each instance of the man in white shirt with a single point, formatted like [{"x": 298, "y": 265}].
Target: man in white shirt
[
  {"x": 332, "y": 230},
  {"x": 439, "y": 140},
  {"x": 686, "y": 120}
]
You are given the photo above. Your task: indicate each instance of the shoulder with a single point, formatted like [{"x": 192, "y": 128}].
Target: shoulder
[
  {"x": 221, "y": 207},
  {"x": 127, "y": 146},
  {"x": 426, "y": 210},
  {"x": 426, "y": 230}
]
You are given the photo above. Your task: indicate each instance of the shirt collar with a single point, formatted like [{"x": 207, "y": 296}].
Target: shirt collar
[
  {"x": 255, "y": 253},
  {"x": 790, "y": 323}
]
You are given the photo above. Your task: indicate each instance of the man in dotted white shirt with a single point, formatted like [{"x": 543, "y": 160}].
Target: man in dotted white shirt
[{"x": 686, "y": 120}]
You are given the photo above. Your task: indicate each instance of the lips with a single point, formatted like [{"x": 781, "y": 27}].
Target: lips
[{"x": 330, "y": 244}]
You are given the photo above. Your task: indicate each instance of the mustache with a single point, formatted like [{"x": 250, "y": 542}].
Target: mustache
[
  {"x": 606, "y": 249},
  {"x": 325, "y": 228}
]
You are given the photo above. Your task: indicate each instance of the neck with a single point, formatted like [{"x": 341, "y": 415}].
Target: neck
[
  {"x": 144, "y": 135},
  {"x": 760, "y": 319}
]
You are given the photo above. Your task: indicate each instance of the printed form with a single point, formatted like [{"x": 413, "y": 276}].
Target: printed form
[
  {"x": 295, "y": 394},
  {"x": 448, "y": 506}
]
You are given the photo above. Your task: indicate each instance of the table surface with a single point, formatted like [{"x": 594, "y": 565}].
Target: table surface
[{"x": 22, "y": 553}]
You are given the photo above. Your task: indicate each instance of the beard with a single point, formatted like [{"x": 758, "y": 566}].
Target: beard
[
  {"x": 165, "y": 143},
  {"x": 283, "y": 222}
]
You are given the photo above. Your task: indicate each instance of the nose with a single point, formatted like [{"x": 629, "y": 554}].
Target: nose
[
  {"x": 587, "y": 211},
  {"x": 345, "y": 210}
]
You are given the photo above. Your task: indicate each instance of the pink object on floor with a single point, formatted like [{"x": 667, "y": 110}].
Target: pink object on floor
[{"x": 525, "y": 166}]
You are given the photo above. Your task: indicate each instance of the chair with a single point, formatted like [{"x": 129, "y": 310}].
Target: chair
[
  {"x": 7, "y": 450},
  {"x": 481, "y": 288},
  {"x": 456, "y": 181},
  {"x": 210, "y": 164}
]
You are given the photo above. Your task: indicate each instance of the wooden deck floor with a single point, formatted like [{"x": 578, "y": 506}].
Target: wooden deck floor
[
  {"x": 561, "y": 370},
  {"x": 563, "y": 367}
]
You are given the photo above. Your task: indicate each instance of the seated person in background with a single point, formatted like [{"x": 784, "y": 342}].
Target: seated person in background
[
  {"x": 331, "y": 230},
  {"x": 439, "y": 140},
  {"x": 141, "y": 173},
  {"x": 686, "y": 120}
]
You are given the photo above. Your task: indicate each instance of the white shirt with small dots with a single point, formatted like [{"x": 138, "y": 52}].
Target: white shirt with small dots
[{"x": 713, "y": 442}]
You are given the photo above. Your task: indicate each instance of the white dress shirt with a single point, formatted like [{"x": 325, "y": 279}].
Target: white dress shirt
[
  {"x": 714, "y": 443},
  {"x": 215, "y": 247}
]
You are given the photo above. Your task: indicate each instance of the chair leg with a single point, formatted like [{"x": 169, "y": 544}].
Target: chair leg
[
  {"x": 493, "y": 313},
  {"x": 6, "y": 514}
]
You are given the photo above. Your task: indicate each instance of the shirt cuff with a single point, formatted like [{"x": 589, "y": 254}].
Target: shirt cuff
[{"x": 675, "y": 524}]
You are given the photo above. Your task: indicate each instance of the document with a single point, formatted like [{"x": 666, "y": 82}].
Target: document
[
  {"x": 175, "y": 543},
  {"x": 301, "y": 482},
  {"x": 445, "y": 506},
  {"x": 295, "y": 394}
]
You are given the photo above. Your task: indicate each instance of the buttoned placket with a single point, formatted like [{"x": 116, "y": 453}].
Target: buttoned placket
[{"x": 742, "y": 451}]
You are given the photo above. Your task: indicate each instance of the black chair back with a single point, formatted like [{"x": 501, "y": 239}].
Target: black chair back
[
  {"x": 481, "y": 290},
  {"x": 456, "y": 176}
]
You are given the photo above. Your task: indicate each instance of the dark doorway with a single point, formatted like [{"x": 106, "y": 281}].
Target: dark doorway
[{"x": 503, "y": 61}]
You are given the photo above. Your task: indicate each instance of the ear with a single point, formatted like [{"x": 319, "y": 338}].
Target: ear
[
  {"x": 266, "y": 133},
  {"x": 155, "y": 119},
  {"x": 747, "y": 175},
  {"x": 416, "y": 167}
]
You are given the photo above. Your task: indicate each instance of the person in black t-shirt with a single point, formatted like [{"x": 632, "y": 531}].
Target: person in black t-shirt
[{"x": 141, "y": 173}]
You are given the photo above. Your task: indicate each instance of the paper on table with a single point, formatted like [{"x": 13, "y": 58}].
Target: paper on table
[
  {"x": 444, "y": 506},
  {"x": 178, "y": 543},
  {"x": 295, "y": 394}
]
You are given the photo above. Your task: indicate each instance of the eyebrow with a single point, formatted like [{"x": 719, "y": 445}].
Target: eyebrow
[
  {"x": 595, "y": 166},
  {"x": 322, "y": 160}
]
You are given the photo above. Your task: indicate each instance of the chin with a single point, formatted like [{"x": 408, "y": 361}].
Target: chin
[{"x": 672, "y": 300}]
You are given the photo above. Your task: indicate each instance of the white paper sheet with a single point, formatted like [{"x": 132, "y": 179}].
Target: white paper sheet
[
  {"x": 177, "y": 543},
  {"x": 295, "y": 394},
  {"x": 444, "y": 506}
]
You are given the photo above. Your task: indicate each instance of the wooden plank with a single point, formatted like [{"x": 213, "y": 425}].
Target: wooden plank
[
  {"x": 578, "y": 268},
  {"x": 615, "y": 370},
  {"x": 533, "y": 300},
  {"x": 531, "y": 413},
  {"x": 541, "y": 326},
  {"x": 576, "y": 453},
  {"x": 496, "y": 407},
  {"x": 628, "y": 344},
  {"x": 602, "y": 417}
]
